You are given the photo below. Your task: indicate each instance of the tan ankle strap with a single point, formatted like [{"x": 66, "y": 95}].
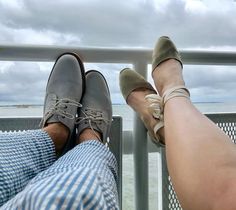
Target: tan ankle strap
[
  {"x": 156, "y": 107},
  {"x": 157, "y": 102},
  {"x": 178, "y": 91}
]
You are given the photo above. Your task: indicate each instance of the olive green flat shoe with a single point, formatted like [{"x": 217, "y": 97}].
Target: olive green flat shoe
[
  {"x": 164, "y": 50},
  {"x": 130, "y": 81},
  {"x": 65, "y": 88}
]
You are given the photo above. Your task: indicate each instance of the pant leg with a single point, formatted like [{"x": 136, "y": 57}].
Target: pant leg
[
  {"x": 84, "y": 178},
  {"x": 22, "y": 156}
]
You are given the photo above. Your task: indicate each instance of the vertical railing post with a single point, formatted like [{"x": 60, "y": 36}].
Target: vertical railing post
[
  {"x": 140, "y": 154},
  {"x": 160, "y": 184},
  {"x": 165, "y": 181}
]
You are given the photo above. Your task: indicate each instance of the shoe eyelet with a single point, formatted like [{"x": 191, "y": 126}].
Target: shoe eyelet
[
  {"x": 63, "y": 117},
  {"x": 65, "y": 107}
]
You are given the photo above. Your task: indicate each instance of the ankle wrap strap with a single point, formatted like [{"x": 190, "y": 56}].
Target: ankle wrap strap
[
  {"x": 178, "y": 91},
  {"x": 157, "y": 103}
]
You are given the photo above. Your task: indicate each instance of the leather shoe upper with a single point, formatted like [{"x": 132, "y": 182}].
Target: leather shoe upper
[
  {"x": 64, "y": 90},
  {"x": 96, "y": 112}
]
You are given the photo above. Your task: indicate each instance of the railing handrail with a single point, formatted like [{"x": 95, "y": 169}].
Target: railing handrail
[{"x": 110, "y": 55}]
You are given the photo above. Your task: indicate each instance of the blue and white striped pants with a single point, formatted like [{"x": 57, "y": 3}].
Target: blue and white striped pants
[{"x": 32, "y": 178}]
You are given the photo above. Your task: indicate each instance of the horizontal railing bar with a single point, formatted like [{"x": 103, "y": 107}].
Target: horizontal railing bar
[
  {"x": 50, "y": 53},
  {"x": 110, "y": 55}
]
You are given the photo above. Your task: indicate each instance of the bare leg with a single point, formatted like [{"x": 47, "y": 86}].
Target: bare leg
[
  {"x": 201, "y": 158},
  {"x": 88, "y": 134},
  {"x": 59, "y": 134}
]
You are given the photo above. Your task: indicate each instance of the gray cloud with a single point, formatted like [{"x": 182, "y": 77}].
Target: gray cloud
[
  {"x": 211, "y": 83},
  {"x": 135, "y": 23},
  {"x": 124, "y": 23},
  {"x": 23, "y": 82}
]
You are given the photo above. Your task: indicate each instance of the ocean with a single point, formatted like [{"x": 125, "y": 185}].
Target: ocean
[
  {"x": 128, "y": 167},
  {"x": 118, "y": 109}
]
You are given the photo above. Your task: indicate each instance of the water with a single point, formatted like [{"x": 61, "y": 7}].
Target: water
[
  {"x": 122, "y": 110},
  {"x": 128, "y": 166}
]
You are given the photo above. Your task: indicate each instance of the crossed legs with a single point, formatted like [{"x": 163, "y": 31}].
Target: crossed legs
[
  {"x": 39, "y": 171},
  {"x": 201, "y": 159}
]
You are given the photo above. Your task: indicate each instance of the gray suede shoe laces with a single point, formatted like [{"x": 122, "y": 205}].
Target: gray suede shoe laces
[
  {"x": 157, "y": 104},
  {"x": 59, "y": 109},
  {"x": 94, "y": 119}
]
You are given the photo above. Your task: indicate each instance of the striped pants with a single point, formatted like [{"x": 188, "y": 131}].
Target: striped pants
[{"x": 32, "y": 178}]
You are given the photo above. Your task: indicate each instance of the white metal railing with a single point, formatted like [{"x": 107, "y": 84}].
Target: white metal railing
[
  {"x": 140, "y": 58},
  {"x": 110, "y": 55}
]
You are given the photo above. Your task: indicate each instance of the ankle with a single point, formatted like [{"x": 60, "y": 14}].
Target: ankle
[
  {"x": 59, "y": 135},
  {"x": 88, "y": 134},
  {"x": 167, "y": 75},
  {"x": 170, "y": 85}
]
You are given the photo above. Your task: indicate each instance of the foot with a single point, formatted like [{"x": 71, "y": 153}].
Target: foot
[
  {"x": 88, "y": 134},
  {"x": 64, "y": 90},
  {"x": 168, "y": 74},
  {"x": 59, "y": 135},
  {"x": 139, "y": 104},
  {"x": 96, "y": 112},
  {"x": 134, "y": 89}
]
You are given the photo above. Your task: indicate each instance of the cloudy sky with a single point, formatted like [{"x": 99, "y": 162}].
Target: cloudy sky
[{"x": 192, "y": 24}]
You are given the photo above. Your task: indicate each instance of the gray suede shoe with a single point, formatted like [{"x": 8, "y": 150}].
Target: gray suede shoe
[
  {"x": 65, "y": 88},
  {"x": 96, "y": 112}
]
